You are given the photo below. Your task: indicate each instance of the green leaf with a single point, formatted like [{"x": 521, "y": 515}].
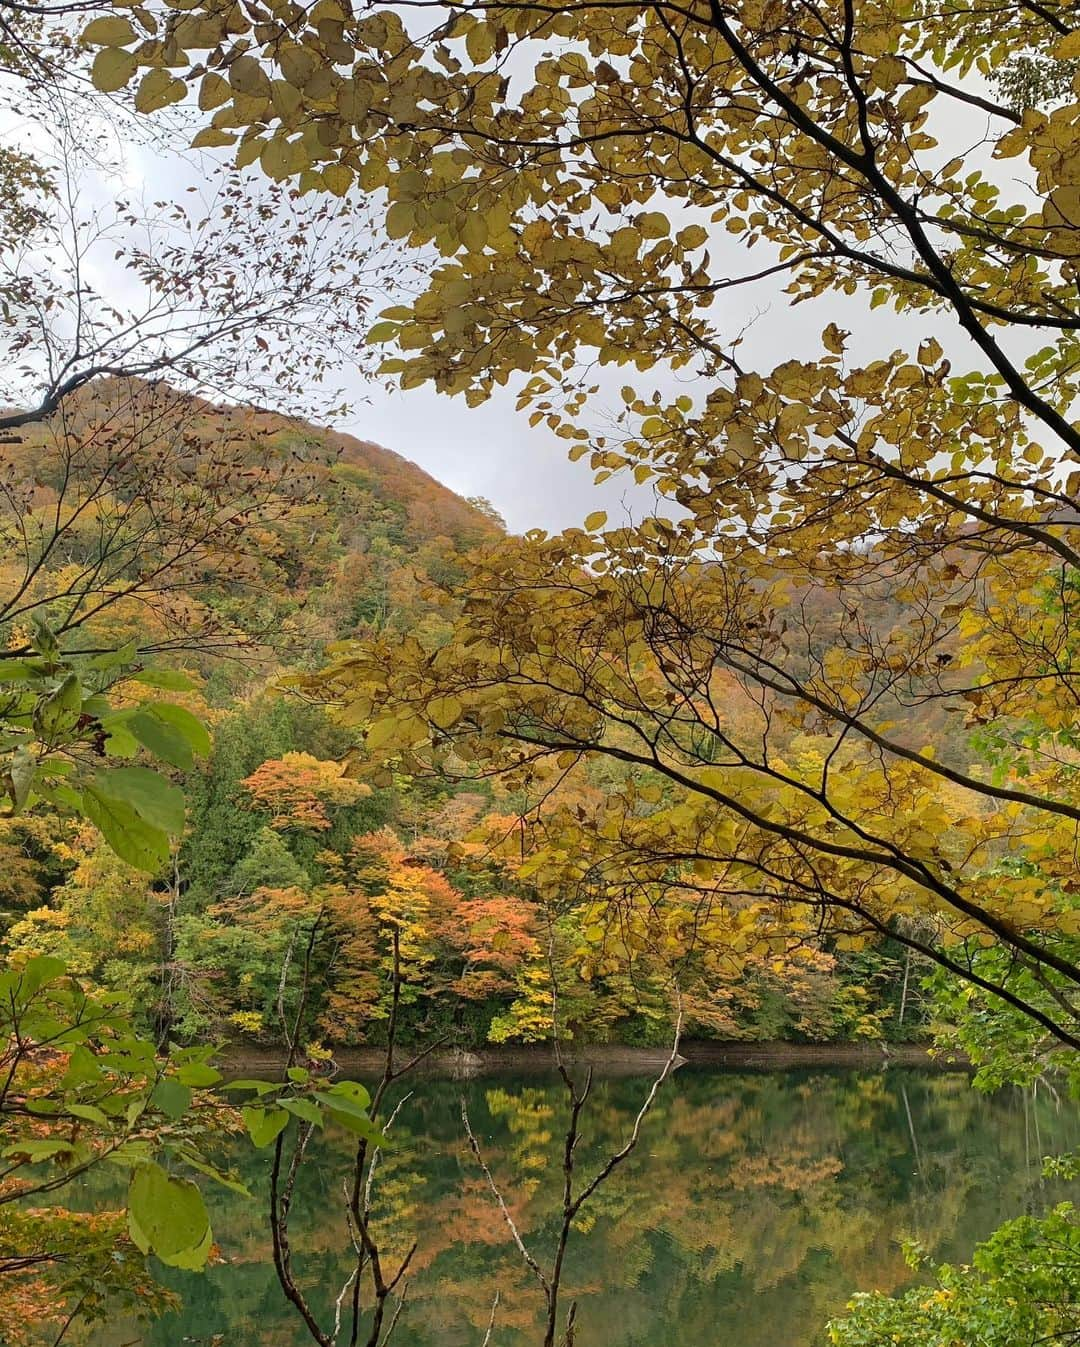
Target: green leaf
[
  {"x": 112, "y": 659},
  {"x": 190, "y": 726},
  {"x": 134, "y": 840},
  {"x": 139, "y": 1237},
  {"x": 347, "y": 1110},
  {"x": 153, "y": 798},
  {"x": 56, "y": 714},
  {"x": 21, "y": 776},
  {"x": 305, "y": 1109},
  {"x": 351, "y": 1090},
  {"x": 131, "y": 1153},
  {"x": 39, "y": 970},
  {"x": 119, "y": 741},
  {"x": 88, "y": 1113},
  {"x": 264, "y": 1125},
  {"x": 135, "y": 1109},
  {"x": 60, "y": 796},
  {"x": 226, "y": 1178},
  {"x": 166, "y": 1215},
  {"x": 300, "y": 1074},
  {"x": 21, "y": 670},
  {"x": 43, "y": 1108},
  {"x": 37, "y": 1151},
  {"x": 69, "y": 695},
  {"x": 172, "y": 1098},
  {"x": 170, "y": 1212},
  {"x": 194, "y": 1259},
  {"x": 45, "y": 642},
  {"x": 172, "y": 680},
  {"x": 197, "y": 1074},
  {"x": 171, "y": 732},
  {"x": 54, "y": 767},
  {"x": 360, "y": 1124},
  {"x": 82, "y": 1068},
  {"x": 260, "y": 1087},
  {"x": 162, "y": 739}
]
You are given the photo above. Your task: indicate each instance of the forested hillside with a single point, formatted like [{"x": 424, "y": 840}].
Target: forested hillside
[
  {"x": 280, "y": 903},
  {"x": 162, "y": 513}
]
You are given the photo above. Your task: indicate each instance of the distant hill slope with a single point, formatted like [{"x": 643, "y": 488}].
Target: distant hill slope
[{"x": 201, "y": 524}]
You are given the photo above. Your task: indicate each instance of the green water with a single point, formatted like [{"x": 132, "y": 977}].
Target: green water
[{"x": 754, "y": 1206}]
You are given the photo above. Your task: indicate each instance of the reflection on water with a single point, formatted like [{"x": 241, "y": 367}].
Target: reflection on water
[{"x": 753, "y": 1207}]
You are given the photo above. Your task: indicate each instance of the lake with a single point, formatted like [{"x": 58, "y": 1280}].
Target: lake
[{"x": 754, "y": 1206}]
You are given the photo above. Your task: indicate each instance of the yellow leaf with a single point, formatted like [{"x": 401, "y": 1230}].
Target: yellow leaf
[
  {"x": 247, "y": 76},
  {"x": 834, "y": 339},
  {"x": 109, "y": 31},
  {"x": 297, "y": 65},
  {"x": 1068, "y": 47},
  {"x": 288, "y": 102},
  {"x": 693, "y": 236},
  {"x": 353, "y": 100},
  {"x": 249, "y": 151},
  {"x": 400, "y": 219},
  {"x": 157, "y": 90},
  {"x": 210, "y": 137},
  {"x": 480, "y": 43},
  {"x": 337, "y": 178},
  {"x": 907, "y": 376},
  {"x": 595, "y": 521},
  {"x": 625, "y": 243},
  {"x": 112, "y": 69},
  {"x": 213, "y": 92},
  {"x": 444, "y": 711},
  {"x": 653, "y": 224},
  {"x": 326, "y": 9},
  {"x": 887, "y": 72},
  {"x": 282, "y": 158},
  {"x": 474, "y": 231},
  {"x": 382, "y": 733}
]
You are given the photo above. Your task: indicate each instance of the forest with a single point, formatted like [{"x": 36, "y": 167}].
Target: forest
[{"x": 418, "y": 926}]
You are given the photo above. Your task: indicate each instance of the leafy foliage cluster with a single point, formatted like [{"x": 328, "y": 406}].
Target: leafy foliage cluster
[{"x": 1022, "y": 1287}]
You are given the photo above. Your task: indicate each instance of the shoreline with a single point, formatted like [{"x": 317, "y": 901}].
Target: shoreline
[{"x": 615, "y": 1059}]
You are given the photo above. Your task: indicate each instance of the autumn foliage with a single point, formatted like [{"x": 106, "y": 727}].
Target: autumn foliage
[{"x": 297, "y": 789}]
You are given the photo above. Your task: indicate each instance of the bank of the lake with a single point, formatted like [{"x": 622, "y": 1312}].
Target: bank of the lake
[{"x": 612, "y": 1059}]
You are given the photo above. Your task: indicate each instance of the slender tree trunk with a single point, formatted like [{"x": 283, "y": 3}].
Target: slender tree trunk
[
  {"x": 904, "y": 988},
  {"x": 166, "y": 1006}
]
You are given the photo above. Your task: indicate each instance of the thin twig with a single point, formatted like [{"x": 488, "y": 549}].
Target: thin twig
[
  {"x": 491, "y": 1322},
  {"x": 643, "y": 1112},
  {"x": 530, "y": 1261}
]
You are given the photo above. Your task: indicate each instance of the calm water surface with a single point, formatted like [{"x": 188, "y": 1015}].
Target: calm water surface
[{"x": 754, "y": 1206}]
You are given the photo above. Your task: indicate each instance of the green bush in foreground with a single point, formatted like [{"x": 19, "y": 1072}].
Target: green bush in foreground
[{"x": 1022, "y": 1289}]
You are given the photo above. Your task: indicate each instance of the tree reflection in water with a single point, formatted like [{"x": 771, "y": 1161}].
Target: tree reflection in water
[{"x": 754, "y": 1206}]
